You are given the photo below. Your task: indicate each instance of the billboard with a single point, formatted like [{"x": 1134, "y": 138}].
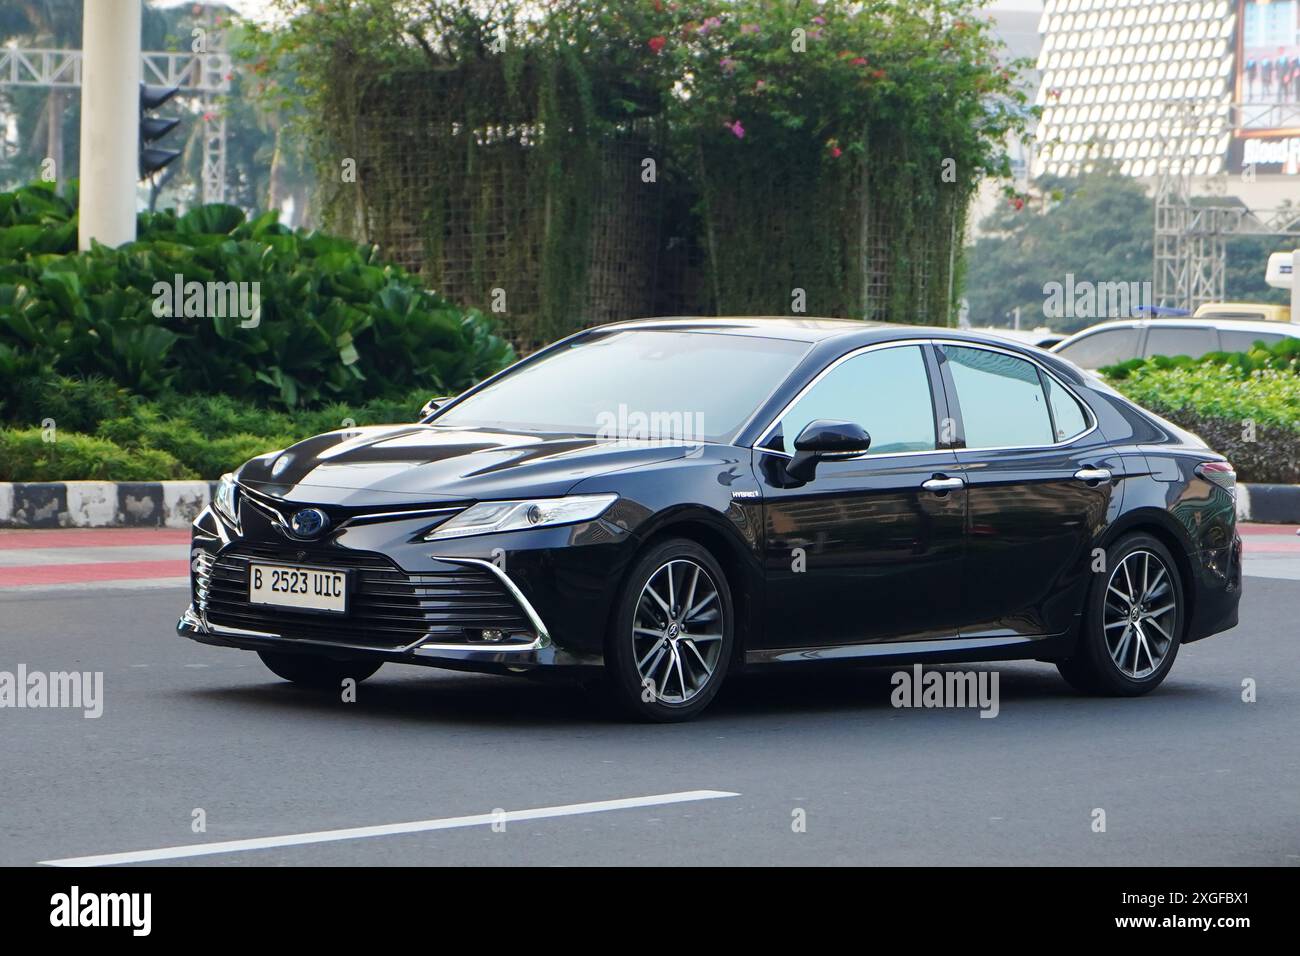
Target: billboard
[{"x": 1268, "y": 86}]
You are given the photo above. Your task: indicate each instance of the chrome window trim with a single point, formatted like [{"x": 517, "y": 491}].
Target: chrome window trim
[
  {"x": 873, "y": 347},
  {"x": 958, "y": 343}
]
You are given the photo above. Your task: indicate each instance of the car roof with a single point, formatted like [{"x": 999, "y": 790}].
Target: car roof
[
  {"x": 1228, "y": 325},
  {"x": 812, "y": 329}
]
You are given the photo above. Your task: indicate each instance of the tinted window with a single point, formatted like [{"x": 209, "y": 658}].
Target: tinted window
[
  {"x": 1001, "y": 398},
  {"x": 886, "y": 391},
  {"x": 1103, "y": 348},
  {"x": 1245, "y": 341},
  {"x": 1067, "y": 415},
  {"x": 638, "y": 384},
  {"x": 1181, "y": 341}
]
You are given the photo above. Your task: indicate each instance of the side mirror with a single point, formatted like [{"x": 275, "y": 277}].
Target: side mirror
[
  {"x": 432, "y": 405},
  {"x": 822, "y": 439}
]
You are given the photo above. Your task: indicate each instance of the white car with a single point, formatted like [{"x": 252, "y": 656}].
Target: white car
[{"x": 1113, "y": 342}]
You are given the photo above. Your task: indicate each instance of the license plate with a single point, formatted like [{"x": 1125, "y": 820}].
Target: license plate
[{"x": 299, "y": 587}]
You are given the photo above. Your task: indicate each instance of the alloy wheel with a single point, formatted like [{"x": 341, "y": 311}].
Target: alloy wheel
[
  {"x": 677, "y": 631},
  {"x": 1141, "y": 614}
]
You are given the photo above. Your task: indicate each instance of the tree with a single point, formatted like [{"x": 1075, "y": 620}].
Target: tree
[{"x": 1097, "y": 227}]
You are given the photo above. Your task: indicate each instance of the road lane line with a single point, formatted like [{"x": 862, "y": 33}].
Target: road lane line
[{"x": 388, "y": 829}]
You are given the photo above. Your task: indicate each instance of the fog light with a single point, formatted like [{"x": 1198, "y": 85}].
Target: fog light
[{"x": 493, "y": 636}]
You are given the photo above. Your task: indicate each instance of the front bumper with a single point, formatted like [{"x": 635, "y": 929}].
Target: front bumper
[
  {"x": 414, "y": 601},
  {"x": 507, "y": 659}
]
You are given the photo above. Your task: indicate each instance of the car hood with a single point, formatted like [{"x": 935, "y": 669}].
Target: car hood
[{"x": 401, "y": 464}]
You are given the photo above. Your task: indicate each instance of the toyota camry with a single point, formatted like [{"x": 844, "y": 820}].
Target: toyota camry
[{"x": 654, "y": 505}]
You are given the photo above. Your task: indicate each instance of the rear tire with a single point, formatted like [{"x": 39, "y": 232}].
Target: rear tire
[
  {"x": 1133, "y": 623},
  {"x": 671, "y": 642},
  {"x": 321, "y": 673}
]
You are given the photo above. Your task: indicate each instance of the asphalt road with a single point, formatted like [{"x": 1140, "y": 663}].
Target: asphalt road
[{"x": 1189, "y": 775}]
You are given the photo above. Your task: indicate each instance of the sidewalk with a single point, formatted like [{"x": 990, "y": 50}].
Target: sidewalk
[{"x": 98, "y": 558}]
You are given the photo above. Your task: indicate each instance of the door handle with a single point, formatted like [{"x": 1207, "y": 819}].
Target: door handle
[
  {"x": 941, "y": 485},
  {"x": 1092, "y": 475}
]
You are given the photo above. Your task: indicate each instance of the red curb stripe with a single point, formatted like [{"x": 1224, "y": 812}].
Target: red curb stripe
[
  {"x": 80, "y": 573},
  {"x": 90, "y": 537}
]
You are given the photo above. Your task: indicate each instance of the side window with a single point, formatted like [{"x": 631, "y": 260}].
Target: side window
[
  {"x": 1001, "y": 399},
  {"x": 1236, "y": 341},
  {"x": 1181, "y": 341},
  {"x": 1067, "y": 416},
  {"x": 1103, "y": 348},
  {"x": 886, "y": 391}
]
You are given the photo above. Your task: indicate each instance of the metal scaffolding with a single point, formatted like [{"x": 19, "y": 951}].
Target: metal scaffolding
[{"x": 1191, "y": 237}]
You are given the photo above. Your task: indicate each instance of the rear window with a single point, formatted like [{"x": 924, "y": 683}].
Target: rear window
[{"x": 1237, "y": 341}]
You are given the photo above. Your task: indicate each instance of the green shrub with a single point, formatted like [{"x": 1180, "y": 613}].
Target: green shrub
[
  {"x": 335, "y": 323},
  {"x": 1253, "y": 418},
  {"x": 25, "y": 455}
]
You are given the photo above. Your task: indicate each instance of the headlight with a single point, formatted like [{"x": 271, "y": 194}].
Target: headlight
[
  {"x": 224, "y": 501},
  {"x": 487, "y": 517}
]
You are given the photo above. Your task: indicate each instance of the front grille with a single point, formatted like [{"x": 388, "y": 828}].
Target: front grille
[{"x": 387, "y": 607}]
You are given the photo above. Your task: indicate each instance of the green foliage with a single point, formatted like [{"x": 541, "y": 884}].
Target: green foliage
[
  {"x": 102, "y": 433},
  {"x": 1244, "y": 405},
  {"x": 1282, "y": 356},
  {"x": 810, "y": 142},
  {"x": 25, "y": 455},
  {"x": 335, "y": 323}
]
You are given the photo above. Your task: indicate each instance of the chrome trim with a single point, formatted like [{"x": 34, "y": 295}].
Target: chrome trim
[
  {"x": 1093, "y": 474},
  {"x": 959, "y": 343},
  {"x": 534, "y": 645},
  {"x": 944, "y": 485},
  {"x": 543, "y": 635},
  {"x": 397, "y": 515}
]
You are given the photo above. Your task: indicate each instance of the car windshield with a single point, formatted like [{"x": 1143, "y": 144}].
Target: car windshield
[{"x": 658, "y": 384}]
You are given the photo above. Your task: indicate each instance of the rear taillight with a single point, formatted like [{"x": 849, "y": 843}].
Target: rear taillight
[{"x": 1220, "y": 473}]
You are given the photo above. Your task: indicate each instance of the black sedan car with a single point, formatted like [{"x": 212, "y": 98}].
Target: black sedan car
[{"x": 657, "y": 504}]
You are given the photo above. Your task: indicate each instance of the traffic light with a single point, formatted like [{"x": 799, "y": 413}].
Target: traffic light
[{"x": 154, "y": 128}]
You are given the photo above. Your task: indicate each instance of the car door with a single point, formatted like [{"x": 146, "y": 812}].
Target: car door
[
  {"x": 865, "y": 551},
  {"x": 1039, "y": 476}
]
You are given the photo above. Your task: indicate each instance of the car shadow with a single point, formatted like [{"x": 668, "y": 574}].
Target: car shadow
[{"x": 484, "y": 700}]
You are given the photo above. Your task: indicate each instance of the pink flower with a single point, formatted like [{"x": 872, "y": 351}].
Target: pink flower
[
  {"x": 760, "y": 85},
  {"x": 820, "y": 21},
  {"x": 728, "y": 64},
  {"x": 736, "y": 129},
  {"x": 836, "y": 152},
  {"x": 712, "y": 23},
  {"x": 656, "y": 44},
  {"x": 860, "y": 61},
  {"x": 749, "y": 28}
]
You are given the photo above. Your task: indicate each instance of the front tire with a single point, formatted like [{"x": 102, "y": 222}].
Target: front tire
[
  {"x": 1133, "y": 624},
  {"x": 321, "y": 673},
  {"x": 671, "y": 642}
]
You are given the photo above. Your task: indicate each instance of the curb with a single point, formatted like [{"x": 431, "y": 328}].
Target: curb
[
  {"x": 103, "y": 504},
  {"x": 174, "y": 504},
  {"x": 1269, "y": 504}
]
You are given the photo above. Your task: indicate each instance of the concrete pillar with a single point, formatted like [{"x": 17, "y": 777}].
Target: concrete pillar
[{"x": 110, "y": 121}]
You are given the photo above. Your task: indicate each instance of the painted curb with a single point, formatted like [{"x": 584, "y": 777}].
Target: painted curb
[{"x": 103, "y": 504}]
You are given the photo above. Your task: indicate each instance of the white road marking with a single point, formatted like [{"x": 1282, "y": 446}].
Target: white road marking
[{"x": 388, "y": 829}]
